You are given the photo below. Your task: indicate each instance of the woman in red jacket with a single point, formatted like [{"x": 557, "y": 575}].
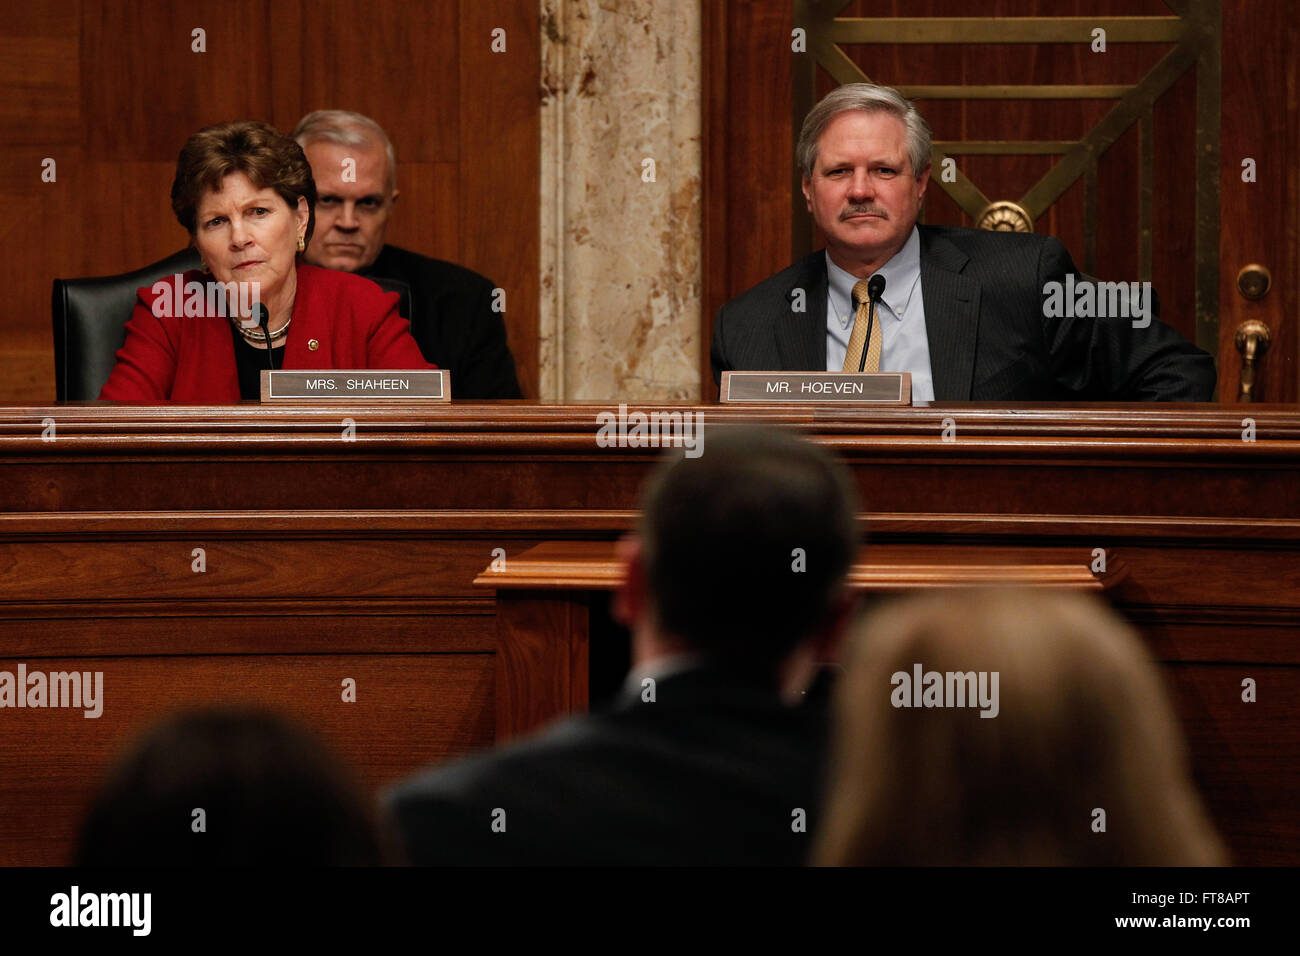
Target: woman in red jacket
[{"x": 245, "y": 193}]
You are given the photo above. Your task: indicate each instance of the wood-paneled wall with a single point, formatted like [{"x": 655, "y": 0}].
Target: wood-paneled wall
[{"x": 110, "y": 89}]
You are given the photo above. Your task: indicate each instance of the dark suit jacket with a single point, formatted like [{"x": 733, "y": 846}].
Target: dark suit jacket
[
  {"x": 989, "y": 339},
  {"x": 711, "y": 772},
  {"x": 453, "y": 322}
]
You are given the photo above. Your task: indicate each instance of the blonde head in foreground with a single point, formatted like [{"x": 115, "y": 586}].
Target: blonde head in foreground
[{"x": 1083, "y": 724}]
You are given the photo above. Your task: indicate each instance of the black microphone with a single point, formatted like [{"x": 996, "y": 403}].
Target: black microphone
[
  {"x": 875, "y": 289},
  {"x": 264, "y": 322}
]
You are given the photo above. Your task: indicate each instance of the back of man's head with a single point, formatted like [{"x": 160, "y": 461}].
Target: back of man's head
[{"x": 747, "y": 546}]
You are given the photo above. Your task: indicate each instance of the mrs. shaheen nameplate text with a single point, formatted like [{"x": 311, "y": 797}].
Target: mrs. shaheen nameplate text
[{"x": 424, "y": 385}]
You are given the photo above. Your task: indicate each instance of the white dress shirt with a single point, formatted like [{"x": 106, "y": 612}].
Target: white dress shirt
[{"x": 900, "y": 312}]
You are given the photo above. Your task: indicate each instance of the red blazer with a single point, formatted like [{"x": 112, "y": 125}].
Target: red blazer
[{"x": 353, "y": 322}]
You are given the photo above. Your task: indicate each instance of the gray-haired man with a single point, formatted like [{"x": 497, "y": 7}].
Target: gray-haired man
[
  {"x": 972, "y": 315},
  {"x": 355, "y": 168}
]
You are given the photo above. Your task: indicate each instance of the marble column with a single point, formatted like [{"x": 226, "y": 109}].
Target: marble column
[{"x": 620, "y": 200}]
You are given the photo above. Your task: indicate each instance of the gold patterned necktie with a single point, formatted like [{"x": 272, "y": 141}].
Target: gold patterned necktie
[{"x": 858, "y": 338}]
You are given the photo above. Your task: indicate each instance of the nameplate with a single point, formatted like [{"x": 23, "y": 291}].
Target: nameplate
[
  {"x": 332, "y": 385},
  {"x": 841, "y": 388}
]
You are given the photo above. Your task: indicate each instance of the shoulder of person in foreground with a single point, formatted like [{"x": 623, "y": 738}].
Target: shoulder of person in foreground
[
  {"x": 476, "y": 811},
  {"x": 650, "y": 783}
]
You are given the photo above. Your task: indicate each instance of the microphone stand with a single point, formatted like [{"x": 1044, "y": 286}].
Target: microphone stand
[
  {"x": 871, "y": 316},
  {"x": 875, "y": 289},
  {"x": 264, "y": 323}
]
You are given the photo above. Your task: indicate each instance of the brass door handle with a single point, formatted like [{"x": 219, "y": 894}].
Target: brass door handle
[{"x": 1252, "y": 341}]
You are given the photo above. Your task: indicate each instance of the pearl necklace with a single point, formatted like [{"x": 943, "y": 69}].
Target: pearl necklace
[{"x": 254, "y": 335}]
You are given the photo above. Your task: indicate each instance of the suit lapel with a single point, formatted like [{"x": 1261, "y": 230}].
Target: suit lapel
[
  {"x": 801, "y": 336},
  {"x": 952, "y": 303}
]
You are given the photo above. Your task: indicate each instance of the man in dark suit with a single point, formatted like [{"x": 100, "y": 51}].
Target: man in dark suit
[
  {"x": 455, "y": 312},
  {"x": 973, "y": 315},
  {"x": 734, "y": 590}
]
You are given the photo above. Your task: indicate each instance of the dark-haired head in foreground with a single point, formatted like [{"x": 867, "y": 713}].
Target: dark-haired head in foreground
[
  {"x": 741, "y": 554},
  {"x": 734, "y": 589},
  {"x": 269, "y": 792}
]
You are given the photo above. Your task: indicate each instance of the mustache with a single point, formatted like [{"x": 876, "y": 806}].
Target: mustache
[{"x": 855, "y": 209}]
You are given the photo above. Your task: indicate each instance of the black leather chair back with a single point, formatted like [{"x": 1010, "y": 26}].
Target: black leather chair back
[
  {"x": 90, "y": 323},
  {"x": 90, "y": 317}
]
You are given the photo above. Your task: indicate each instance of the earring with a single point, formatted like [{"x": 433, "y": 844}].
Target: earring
[
  {"x": 302, "y": 244},
  {"x": 203, "y": 264}
]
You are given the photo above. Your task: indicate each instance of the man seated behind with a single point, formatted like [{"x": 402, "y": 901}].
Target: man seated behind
[
  {"x": 355, "y": 168},
  {"x": 972, "y": 315},
  {"x": 734, "y": 589}
]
